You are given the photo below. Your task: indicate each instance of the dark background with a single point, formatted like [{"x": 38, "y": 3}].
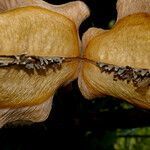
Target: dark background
[{"x": 76, "y": 123}]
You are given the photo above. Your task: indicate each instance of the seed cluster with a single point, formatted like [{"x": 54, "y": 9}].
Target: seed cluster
[
  {"x": 32, "y": 62},
  {"x": 126, "y": 73}
]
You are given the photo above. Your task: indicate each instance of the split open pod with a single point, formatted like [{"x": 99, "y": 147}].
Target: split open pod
[
  {"x": 117, "y": 61},
  {"x": 37, "y": 43}
]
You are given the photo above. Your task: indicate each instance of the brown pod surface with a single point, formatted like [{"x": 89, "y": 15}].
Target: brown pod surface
[
  {"x": 36, "y": 39},
  {"x": 120, "y": 64}
]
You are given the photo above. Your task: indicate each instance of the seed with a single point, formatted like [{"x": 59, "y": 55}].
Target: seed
[
  {"x": 29, "y": 66},
  {"x": 108, "y": 68},
  {"x": 101, "y": 65},
  {"x": 41, "y": 61},
  {"x": 143, "y": 72},
  {"x": 116, "y": 68},
  {"x": 120, "y": 71}
]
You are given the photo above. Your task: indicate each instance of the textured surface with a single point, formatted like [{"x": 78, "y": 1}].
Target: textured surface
[
  {"x": 127, "y": 44},
  {"x": 35, "y": 31},
  {"x": 127, "y": 7},
  {"x": 36, "y": 113},
  {"x": 36, "y": 28}
]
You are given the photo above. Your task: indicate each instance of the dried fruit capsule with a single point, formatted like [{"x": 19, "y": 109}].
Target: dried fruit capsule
[
  {"x": 35, "y": 39},
  {"x": 127, "y": 47}
]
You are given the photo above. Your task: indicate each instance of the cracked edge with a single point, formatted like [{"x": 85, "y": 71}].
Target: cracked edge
[
  {"x": 32, "y": 62},
  {"x": 139, "y": 77}
]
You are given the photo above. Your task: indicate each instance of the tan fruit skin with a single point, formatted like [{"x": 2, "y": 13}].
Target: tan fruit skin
[
  {"x": 35, "y": 31},
  {"x": 34, "y": 27},
  {"x": 127, "y": 44}
]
